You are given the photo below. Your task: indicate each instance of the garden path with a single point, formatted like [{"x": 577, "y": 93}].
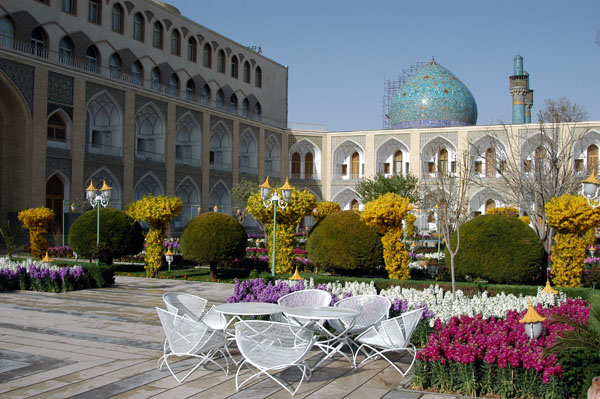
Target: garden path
[{"x": 105, "y": 342}]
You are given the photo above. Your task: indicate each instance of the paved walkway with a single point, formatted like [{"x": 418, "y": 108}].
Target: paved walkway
[{"x": 104, "y": 343}]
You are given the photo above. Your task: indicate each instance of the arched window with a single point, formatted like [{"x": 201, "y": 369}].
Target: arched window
[
  {"x": 137, "y": 73},
  {"x": 296, "y": 161},
  {"x": 54, "y": 201},
  {"x": 57, "y": 128},
  {"x": 245, "y": 107},
  {"x": 443, "y": 161},
  {"x": 234, "y": 67},
  {"x": 117, "y": 18},
  {"x": 191, "y": 53},
  {"x": 233, "y": 103},
  {"x": 489, "y": 204},
  {"x": 257, "y": 111},
  {"x": 248, "y": 152},
  {"x": 7, "y": 32},
  {"x": 150, "y": 134},
  {"x": 188, "y": 142},
  {"x": 258, "y": 77},
  {"x": 190, "y": 89},
  {"x": 398, "y": 162},
  {"x": 592, "y": 159},
  {"x": 355, "y": 165},
  {"x": 68, "y": 6},
  {"x": 94, "y": 7},
  {"x": 155, "y": 78},
  {"x": 220, "y": 99},
  {"x": 308, "y": 165},
  {"x": 207, "y": 56},
  {"x": 246, "y": 72},
  {"x": 206, "y": 95},
  {"x": 148, "y": 185},
  {"x": 174, "y": 85},
  {"x": 354, "y": 205},
  {"x": 91, "y": 59},
  {"x": 175, "y": 42},
  {"x": 38, "y": 42},
  {"x": 220, "y": 148},
  {"x": 65, "y": 51},
  {"x": 104, "y": 126},
  {"x": 138, "y": 27},
  {"x": 115, "y": 66},
  {"x": 157, "y": 35},
  {"x": 490, "y": 163},
  {"x": 221, "y": 61},
  {"x": 540, "y": 157}
]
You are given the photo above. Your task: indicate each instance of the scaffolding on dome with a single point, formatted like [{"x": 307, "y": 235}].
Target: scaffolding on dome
[{"x": 391, "y": 86}]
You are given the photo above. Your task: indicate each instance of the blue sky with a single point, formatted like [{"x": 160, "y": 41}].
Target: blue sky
[{"x": 339, "y": 51}]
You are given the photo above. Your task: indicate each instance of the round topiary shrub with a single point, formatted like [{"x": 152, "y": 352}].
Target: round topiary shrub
[
  {"x": 498, "y": 249},
  {"x": 213, "y": 238},
  {"x": 344, "y": 244},
  {"x": 120, "y": 235}
]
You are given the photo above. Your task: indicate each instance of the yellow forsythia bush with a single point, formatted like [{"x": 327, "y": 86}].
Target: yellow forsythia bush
[
  {"x": 37, "y": 220},
  {"x": 387, "y": 213},
  {"x": 572, "y": 218},
  {"x": 506, "y": 211},
  {"x": 410, "y": 225},
  {"x": 157, "y": 211},
  {"x": 301, "y": 204},
  {"x": 325, "y": 208}
]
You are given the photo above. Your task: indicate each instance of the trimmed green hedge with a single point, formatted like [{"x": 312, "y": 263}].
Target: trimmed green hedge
[
  {"x": 344, "y": 244},
  {"x": 100, "y": 275},
  {"x": 498, "y": 249}
]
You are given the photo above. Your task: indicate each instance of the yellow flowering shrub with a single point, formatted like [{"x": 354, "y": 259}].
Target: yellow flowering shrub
[
  {"x": 410, "y": 225},
  {"x": 301, "y": 204},
  {"x": 37, "y": 220},
  {"x": 506, "y": 211},
  {"x": 572, "y": 218},
  {"x": 325, "y": 208},
  {"x": 525, "y": 219},
  {"x": 386, "y": 213},
  {"x": 157, "y": 211}
]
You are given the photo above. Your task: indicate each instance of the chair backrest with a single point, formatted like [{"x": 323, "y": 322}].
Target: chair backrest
[
  {"x": 215, "y": 320},
  {"x": 269, "y": 344},
  {"x": 185, "y": 304},
  {"x": 398, "y": 331},
  {"x": 184, "y": 335},
  {"x": 373, "y": 310},
  {"x": 302, "y": 298}
]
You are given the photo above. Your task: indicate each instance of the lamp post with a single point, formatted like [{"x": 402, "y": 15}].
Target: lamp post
[
  {"x": 589, "y": 189},
  {"x": 63, "y": 222},
  {"x": 97, "y": 198},
  {"x": 216, "y": 208},
  {"x": 276, "y": 201},
  {"x": 169, "y": 258}
]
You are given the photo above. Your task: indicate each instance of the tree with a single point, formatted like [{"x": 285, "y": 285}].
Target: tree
[
  {"x": 213, "y": 238},
  {"x": 325, "y": 208},
  {"x": 119, "y": 235},
  {"x": 37, "y": 220},
  {"x": 537, "y": 164},
  {"x": 406, "y": 186},
  {"x": 12, "y": 237},
  {"x": 240, "y": 194},
  {"x": 449, "y": 192},
  {"x": 157, "y": 211}
]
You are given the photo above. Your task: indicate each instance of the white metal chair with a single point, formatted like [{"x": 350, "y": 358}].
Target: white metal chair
[
  {"x": 392, "y": 335},
  {"x": 186, "y": 337},
  {"x": 272, "y": 347},
  {"x": 373, "y": 310},
  {"x": 302, "y": 298},
  {"x": 185, "y": 304}
]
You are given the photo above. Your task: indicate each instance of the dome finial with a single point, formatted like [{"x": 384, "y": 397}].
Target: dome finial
[{"x": 432, "y": 59}]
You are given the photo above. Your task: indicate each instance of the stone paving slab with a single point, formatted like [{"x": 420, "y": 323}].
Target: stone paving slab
[{"x": 105, "y": 343}]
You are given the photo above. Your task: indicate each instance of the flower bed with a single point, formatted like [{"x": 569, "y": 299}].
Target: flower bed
[{"x": 472, "y": 355}]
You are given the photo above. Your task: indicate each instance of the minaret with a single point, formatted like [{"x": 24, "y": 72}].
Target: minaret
[
  {"x": 528, "y": 100},
  {"x": 518, "y": 90}
]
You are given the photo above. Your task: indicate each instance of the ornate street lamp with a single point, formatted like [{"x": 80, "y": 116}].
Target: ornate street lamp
[
  {"x": 532, "y": 322},
  {"x": 589, "y": 189},
  {"x": 47, "y": 261},
  {"x": 169, "y": 258},
  {"x": 97, "y": 198},
  {"x": 275, "y": 200}
]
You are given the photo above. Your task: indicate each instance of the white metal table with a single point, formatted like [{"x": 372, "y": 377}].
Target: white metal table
[{"x": 330, "y": 342}]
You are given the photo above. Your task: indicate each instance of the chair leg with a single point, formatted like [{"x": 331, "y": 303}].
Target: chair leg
[{"x": 303, "y": 368}]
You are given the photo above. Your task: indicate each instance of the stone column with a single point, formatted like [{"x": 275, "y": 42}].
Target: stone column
[
  {"x": 78, "y": 141},
  {"x": 206, "y": 133},
  {"x": 170, "y": 143},
  {"x": 128, "y": 147}
]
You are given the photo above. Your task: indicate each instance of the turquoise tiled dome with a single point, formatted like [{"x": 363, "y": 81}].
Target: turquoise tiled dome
[{"x": 433, "y": 97}]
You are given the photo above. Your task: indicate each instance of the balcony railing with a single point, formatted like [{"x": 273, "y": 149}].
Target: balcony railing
[
  {"x": 7, "y": 43},
  {"x": 188, "y": 161},
  {"x": 347, "y": 176},
  {"x": 220, "y": 166},
  {"x": 249, "y": 170},
  {"x": 149, "y": 156},
  {"x": 306, "y": 176},
  {"x": 102, "y": 149}
]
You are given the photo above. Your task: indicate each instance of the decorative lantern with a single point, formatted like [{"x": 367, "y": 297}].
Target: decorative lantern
[
  {"x": 548, "y": 288},
  {"x": 286, "y": 190},
  {"x": 265, "y": 189},
  {"x": 296, "y": 277},
  {"x": 533, "y": 322},
  {"x": 169, "y": 258},
  {"x": 46, "y": 260}
]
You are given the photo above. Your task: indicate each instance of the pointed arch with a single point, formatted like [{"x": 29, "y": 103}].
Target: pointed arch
[
  {"x": 438, "y": 155},
  {"x": 272, "y": 161},
  {"x": 220, "y": 147},
  {"x": 483, "y": 199},
  {"x": 149, "y": 134},
  {"x": 104, "y": 125},
  {"x": 348, "y": 160},
  {"x": 56, "y": 194},
  {"x": 310, "y": 159},
  {"x": 148, "y": 184},
  {"x": 221, "y": 197},
  {"x": 58, "y": 129},
  {"x": 488, "y": 155},
  {"x": 104, "y": 174},
  {"x": 581, "y": 152},
  {"x": 248, "y": 152},
  {"x": 391, "y": 155},
  {"x": 189, "y": 193},
  {"x": 345, "y": 198},
  {"x": 188, "y": 147}
]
